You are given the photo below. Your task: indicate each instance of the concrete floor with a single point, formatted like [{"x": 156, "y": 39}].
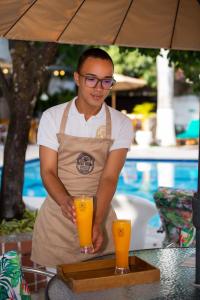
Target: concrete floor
[{"x": 38, "y": 296}]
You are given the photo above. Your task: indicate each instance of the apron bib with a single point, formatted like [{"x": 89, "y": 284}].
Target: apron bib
[{"x": 80, "y": 164}]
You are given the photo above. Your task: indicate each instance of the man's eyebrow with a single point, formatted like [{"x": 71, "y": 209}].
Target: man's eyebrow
[{"x": 94, "y": 75}]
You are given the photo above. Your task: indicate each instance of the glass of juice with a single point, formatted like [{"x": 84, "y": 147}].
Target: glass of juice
[
  {"x": 84, "y": 215},
  {"x": 121, "y": 230}
]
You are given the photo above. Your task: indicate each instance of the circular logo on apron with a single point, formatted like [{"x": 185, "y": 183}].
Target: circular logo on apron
[{"x": 85, "y": 163}]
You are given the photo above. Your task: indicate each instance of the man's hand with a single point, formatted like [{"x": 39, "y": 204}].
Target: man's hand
[
  {"x": 68, "y": 209},
  {"x": 97, "y": 237}
]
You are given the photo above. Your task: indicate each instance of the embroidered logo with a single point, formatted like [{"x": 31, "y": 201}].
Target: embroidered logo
[
  {"x": 121, "y": 232},
  {"x": 101, "y": 132},
  {"x": 85, "y": 163},
  {"x": 82, "y": 206}
]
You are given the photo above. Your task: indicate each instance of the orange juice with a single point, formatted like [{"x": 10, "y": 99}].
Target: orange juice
[
  {"x": 121, "y": 234},
  {"x": 84, "y": 216}
]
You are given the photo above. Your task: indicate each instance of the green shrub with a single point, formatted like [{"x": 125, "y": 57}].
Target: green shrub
[{"x": 19, "y": 226}]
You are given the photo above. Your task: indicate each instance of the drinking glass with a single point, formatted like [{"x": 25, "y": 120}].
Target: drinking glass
[
  {"x": 84, "y": 215},
  {"x": 121, "y": 234}
]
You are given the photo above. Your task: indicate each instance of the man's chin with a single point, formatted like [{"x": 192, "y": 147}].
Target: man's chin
[{"x": 96, "y": 102}]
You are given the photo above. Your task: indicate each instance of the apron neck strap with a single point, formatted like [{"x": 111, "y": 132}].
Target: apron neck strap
[
  {"x": 65, "y": 116},
  {"x": 108, "y": 122}
]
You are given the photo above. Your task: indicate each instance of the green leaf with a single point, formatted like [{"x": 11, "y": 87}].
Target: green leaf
[{"x": 19, "y": 226}]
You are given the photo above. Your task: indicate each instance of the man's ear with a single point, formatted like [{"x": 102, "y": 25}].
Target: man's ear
[{"x": 76, "y": 78}]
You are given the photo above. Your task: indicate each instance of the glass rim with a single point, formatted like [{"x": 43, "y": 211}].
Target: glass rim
[
  {"x": 83, "y": 197},
  {"x": 122, "y": 220}
]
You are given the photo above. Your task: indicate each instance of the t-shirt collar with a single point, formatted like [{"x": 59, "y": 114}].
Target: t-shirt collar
[{"x": 74, "y": 111}]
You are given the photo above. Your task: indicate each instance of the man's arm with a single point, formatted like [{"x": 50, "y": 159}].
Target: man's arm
[
  {"x": 105, "y": 192},
  {"x": 52, "y": 183}
]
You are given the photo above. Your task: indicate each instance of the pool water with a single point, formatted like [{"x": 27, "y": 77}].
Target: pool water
[{"x": 140, "y": 178}]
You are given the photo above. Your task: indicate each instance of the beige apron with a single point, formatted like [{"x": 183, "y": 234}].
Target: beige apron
[{"x": 80, "y": 164}]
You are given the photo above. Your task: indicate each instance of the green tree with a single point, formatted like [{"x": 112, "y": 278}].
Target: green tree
[
  {"x": 29, "y": 76},
  {"x": 188, "y": 61},
  {"x": 21, "y": 90},
  {"x": 130, "y": 62}
]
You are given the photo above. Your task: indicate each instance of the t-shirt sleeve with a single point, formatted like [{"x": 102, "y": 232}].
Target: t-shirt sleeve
[
  {"x": 47, "y": 131},
  {"x": 124, "y": 135}
]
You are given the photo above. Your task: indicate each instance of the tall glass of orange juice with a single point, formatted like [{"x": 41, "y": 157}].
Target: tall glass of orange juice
[
  {"x": 121, "y": 234},
  {"x": 84, "y": 215}
]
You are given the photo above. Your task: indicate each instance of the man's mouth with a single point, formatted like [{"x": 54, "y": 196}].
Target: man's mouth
[{"x": 97, "y": 97}]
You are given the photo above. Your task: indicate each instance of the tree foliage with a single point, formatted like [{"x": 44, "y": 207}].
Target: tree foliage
[
  {"x": 188, "y": 61},
  {"x": 68, "y": 55},
  {"x": 131, "y": 62}
]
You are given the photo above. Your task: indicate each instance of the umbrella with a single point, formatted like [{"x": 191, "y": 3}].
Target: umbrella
[
  {"x": 135, "y": 23},
  {"x": 124, "y": 83},
  {"x": 171, "y": 24}
]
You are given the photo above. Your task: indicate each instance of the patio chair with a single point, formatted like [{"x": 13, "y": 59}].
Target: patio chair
[
  {"x": 12, "y": 282},
  {"x": 139, "y": 211},
  {"x": 191, "y": 134},
  {"x": 175, "y": 209}
]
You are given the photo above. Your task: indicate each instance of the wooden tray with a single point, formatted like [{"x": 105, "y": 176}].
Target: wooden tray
[{"x": 99, "y": 274}]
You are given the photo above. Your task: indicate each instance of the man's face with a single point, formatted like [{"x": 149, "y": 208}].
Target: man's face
[{"x": 92, "y": 69}]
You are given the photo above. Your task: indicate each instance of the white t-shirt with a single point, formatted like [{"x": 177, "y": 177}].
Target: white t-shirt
[{"x": 122, "y": 129}]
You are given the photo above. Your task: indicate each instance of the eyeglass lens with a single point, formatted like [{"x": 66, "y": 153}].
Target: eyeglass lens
[{"x": 92, "y": 82}]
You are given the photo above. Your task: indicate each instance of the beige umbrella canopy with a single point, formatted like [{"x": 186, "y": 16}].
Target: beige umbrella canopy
[
  {"x": 135, "y": 23},
  {"x": 124, "y": 83}
]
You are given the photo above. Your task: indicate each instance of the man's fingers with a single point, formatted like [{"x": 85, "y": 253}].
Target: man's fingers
[
  {"x": 97, "y": 245},
  {"x": 97, "y": 240},
  {"x": 69, "y": 212}
]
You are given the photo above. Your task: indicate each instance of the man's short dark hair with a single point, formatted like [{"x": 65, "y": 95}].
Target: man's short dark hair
[{"x": 95, "y": 53}]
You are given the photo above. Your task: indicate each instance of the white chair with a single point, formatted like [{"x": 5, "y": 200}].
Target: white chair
[{"x": 139, "y": 211}]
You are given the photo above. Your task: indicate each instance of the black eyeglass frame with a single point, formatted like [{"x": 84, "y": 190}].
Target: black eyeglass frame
[{"x": 98, "y": 80}]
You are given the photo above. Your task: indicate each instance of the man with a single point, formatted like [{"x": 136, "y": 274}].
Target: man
[{"x": 83, "y": 147}]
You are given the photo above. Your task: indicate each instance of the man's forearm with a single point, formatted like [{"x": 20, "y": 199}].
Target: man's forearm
[
  {"x": 105, "y": 192},
  {"x": 55, "y": 188}
]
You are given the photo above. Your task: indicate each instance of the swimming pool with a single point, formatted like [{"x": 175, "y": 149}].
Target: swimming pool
[
  {"x": 142, "y": 178},
  {"x": 138, "y": 177}
]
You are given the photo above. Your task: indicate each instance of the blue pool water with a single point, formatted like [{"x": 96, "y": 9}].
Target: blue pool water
[{"x": 140, "y": 178}]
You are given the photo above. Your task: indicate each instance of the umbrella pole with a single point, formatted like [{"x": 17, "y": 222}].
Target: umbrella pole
[{"x": 196, "y": 221}]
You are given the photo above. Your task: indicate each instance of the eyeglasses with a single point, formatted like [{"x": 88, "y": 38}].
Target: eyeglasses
[{"x": 92, "y": 81}]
